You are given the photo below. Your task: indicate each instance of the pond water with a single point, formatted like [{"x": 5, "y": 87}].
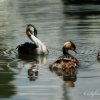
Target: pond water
[{"x": 56, "y": 23}]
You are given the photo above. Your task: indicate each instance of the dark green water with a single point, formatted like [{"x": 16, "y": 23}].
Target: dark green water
[{"x": 55, "y": 23}]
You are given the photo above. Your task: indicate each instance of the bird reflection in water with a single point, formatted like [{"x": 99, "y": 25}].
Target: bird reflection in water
[
  {"x": 69, "y": 75},
  {"x": 32, "y": 65},
  {"x": 33, "y": 73}
]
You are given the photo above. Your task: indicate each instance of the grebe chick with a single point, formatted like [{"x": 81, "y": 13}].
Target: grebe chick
[
  {"x": 66, "y": 61},
  {"x": 98, "y": 55}
]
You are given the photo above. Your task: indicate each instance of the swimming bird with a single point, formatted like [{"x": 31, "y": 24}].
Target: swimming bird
[
  {"x": 66, "y": 61},
  {"x": 36, "y": 47},
  {"x": 98, "y": 55}
]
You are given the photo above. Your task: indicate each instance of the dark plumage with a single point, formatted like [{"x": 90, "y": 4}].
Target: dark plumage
[{"x": 27, "y": 48}]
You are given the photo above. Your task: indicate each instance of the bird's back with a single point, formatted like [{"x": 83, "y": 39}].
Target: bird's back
[{"x": 27, "y": 48}]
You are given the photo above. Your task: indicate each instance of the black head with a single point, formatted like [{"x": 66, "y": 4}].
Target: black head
[{"x": 31, "y": 30}]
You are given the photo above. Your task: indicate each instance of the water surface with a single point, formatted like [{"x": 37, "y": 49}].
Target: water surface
[{"x": 55, "y": 23}]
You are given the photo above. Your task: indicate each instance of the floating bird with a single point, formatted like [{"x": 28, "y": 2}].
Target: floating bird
[
  {"x": 36, "y": 47},
  {"x": 66, "y": 61},
  {"x": 98, "y": 55}
]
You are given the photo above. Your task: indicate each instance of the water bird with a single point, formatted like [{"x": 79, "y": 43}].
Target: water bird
[
  {"x": 36, "y": 47},
  {"x": 66, "y": 61},
  {"x": 98, "y": 55}
]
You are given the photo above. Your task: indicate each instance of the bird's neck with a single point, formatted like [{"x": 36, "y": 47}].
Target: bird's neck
[
  {"x": 65, "y": 51},
  {"x": 40, "y": 45}
]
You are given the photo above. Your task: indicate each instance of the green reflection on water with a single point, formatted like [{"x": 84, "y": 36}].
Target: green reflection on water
[
  {"x": 7, "y": 89},
  {"x": 7, "y": 76}
]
